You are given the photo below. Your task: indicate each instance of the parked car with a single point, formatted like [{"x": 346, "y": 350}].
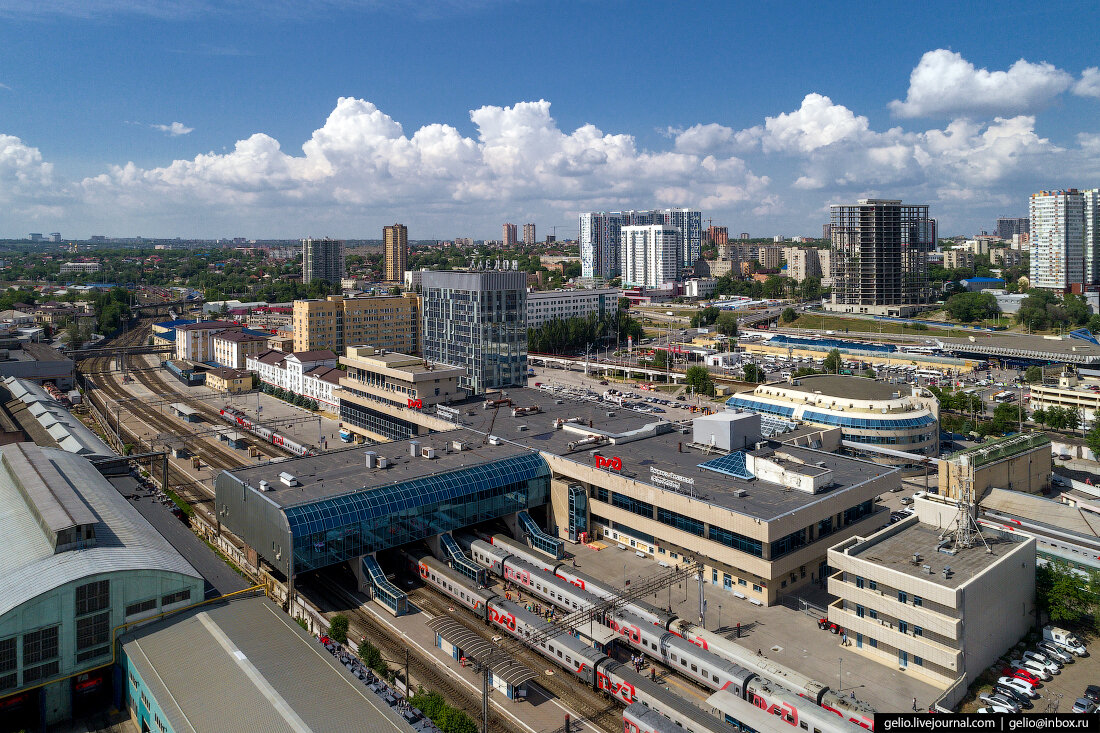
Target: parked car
[
  {"x": 1021, "y": 698},
  {"x": 1034, "y": 668},
  {"x": 995, "y": 700},
  {"x": 1083, "y": 705},
  {"x": 1054, "y": 666},
  {"x": 1064, "y": 639},
  {"x": 1053, "y": 651},
  {"x": 1022, "y": 674},
  {"x": 1092, "y": 692},
  {"x": 994, "y": 709}
]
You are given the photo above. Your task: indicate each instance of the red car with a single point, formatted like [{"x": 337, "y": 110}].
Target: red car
[{"x": 1022, "y": 674}]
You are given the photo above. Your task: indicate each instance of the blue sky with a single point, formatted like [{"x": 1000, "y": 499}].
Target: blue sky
[{"x": 269, "y": 119}]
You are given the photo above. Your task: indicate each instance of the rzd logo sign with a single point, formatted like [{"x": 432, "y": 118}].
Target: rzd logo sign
[
  {"x": 416, "y": 404},
  {"x": 612, "y": 464}
]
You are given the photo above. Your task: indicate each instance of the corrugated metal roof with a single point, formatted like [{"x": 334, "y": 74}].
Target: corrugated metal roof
[
  {"x": 67, "y": 431},
  {"x": 475, "y": 647},
  {"x": 124, "y": 539},
  {"x": 244, "y": 665}
]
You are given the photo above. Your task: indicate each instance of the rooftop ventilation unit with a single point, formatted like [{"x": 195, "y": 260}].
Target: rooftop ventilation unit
[
  {"x": 494, "y": 440},
  {"x": 372, "y": 458},
  {"x": 428, "y": 452},
  {"x": 383, "y": 462},
  {"x": 265, "y": 486},
  {"x": 414, "y": 448},
  {"x": 288, "y": 479},
  {"x": 521, "y": 428},
  {"x": 927, "y": 569},
  {"x": 458, "y": 445},
  {"x": 740, "y": 493}
]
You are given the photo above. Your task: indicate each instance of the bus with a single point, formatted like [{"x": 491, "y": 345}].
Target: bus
[{"x": 1004, "y": 396}]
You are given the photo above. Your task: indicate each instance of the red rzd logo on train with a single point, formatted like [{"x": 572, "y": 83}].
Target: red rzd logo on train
[{"x": 612, "y": 464}]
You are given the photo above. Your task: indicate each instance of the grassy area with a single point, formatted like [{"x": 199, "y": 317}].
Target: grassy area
[{"x": 840, "y": 324}]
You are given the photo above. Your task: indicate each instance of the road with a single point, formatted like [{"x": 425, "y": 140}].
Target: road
[{"x": 220, "y": 578}]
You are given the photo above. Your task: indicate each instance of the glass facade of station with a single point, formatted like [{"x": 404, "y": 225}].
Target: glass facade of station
[{"x": 333, "y": 530}]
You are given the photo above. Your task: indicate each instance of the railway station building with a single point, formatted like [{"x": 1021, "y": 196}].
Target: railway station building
[
  {"x": 77, "y": 562},
  {"x": 758, "y": 513}
]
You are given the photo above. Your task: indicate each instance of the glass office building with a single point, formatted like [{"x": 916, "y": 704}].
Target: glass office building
[{"x": 477, "y": 320}]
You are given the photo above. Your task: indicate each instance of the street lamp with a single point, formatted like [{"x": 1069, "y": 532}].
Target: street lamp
[{"x": 840, "y": 674}]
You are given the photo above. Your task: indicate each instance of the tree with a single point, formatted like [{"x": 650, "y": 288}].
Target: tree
[
  {"x": 661, "y": 359},
  {"x": 373, "y": 658},
  {"x": 1092, "y": 438},
  {"x": 1040, "y": 416},
  {"x": 789, "y": 315},
  {"x": 1062, "y": 593},
  {"x": 869, "y": 373},
  {"x": 698, "y": 378},
  {"x": 969, "y": 307},
  {"x": 338, "y": 628},
  {"x": 727, "y": 323},
  {"x": 1006, "y": 417},
  {"x": 804, "y": 372},
  {"x": 833, "y": 361},
  {"x": 753, "y": 373},
  {"x": 1033, "y": 374}
]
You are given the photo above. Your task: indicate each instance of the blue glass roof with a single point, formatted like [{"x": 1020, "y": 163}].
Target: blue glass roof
[
  {"x": 459, "y": 486},
  {"x": 767, "y": 408},
  {"x": 847, "y": 421},
  {"x": 732, "y": 464}
]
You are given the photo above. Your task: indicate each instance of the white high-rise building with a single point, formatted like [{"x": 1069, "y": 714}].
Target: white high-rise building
[
  {"x": 1058, "y": 256},
  {"x": 650, "y": 255},
  {"x": 1092, "y": 235},
  {"x": 690, "y": 224},
  {"x": 601, "y": 242}
]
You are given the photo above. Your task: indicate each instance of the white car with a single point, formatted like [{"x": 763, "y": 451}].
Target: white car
[
  {"x": 1052, "y": 664},
  {"x": 994, "y": 709},
  {"x": 1017, "y": 684},
  {"x": 1028, "y": 665}
]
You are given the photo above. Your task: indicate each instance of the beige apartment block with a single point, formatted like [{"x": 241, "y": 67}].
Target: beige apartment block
[
  {"x": 913, "y": 600},
  {"x": 390, "y": 322}
]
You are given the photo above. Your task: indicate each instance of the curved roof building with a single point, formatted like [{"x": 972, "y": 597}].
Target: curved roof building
[
  {"x": 77, "y": 562},
  {"x": 878, "y": 420}
]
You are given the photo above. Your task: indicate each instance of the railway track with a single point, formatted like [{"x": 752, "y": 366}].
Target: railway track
[
  {"x": 423, "y": 670},
  {"x": 600, "y": 712}
]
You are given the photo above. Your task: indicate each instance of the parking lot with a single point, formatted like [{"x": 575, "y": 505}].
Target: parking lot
[{"x": 1058, "y": 694}]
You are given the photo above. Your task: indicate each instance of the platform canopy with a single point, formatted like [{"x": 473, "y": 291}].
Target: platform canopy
[{"x": 478, "y": 649}]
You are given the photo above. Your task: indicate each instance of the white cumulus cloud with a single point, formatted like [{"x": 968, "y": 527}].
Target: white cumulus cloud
[
  {"x": 944, "y": 84},
  {"x": 175, "y": 129},
  {"x": 1089, "y": 83}
]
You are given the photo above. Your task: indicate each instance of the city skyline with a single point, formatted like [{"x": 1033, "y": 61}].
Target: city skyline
[{"x": 185, "y": 145}]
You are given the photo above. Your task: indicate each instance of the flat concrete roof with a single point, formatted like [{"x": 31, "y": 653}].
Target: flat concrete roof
[
  {"x": 244, "y": 665},
  {"x": 896, "y": 552},
  {"x": 669, "y": 451},
  {"x": 342, "y": 471},
  {"x": 1025, "y": 343},
  {"x": 845, "y": 387}
]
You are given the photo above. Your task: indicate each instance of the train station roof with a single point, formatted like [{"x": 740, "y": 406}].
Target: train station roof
[
  {"x": 480, "y": 650},
  {"x": 244, "y": 665}
]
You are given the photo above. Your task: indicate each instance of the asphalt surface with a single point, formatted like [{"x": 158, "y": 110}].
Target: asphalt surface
[{"x": 220, "y": 578}]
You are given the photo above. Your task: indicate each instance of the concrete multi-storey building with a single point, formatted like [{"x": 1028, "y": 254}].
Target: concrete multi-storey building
[
  {"x": 322, "y": 259},
  {"x": 379, "y": 392},
  {"x": 1007, "y": 226},
  {"x": 511, "y": 235},
  {"x": 690, "y": 225},
  {"x": 1058, "y": 257},
  {"x": 601, "y": 243},
  {"x": 69, "y": 268},
  {"x": 700, "y": 287},
  {"x": 650, "y": 255},
  {"x": 552, "y": 305},
  {"x": 395, "y": 243},
  {"x": 954, "y": 259},
  {"x": 880, "y": 248},
  {"x": 804, "y": 262},
  {"x": 1069, "y": 393},
  {"x": 718, "y": 235},
  {"x": 1006, "y": 257},
  {"x": 906, "y": 604},
  {"x": 195, "y": 341},
  {"x": 529, "y": 237},
  {"x": 381, "y": 321},
  {"x": 232, "y": 348},
  {"x": 478, "y": 321},
  {"x": 1091, "y": 235}
]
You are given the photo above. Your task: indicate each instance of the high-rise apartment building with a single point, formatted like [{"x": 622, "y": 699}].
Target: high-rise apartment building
[
  {"x": 743, "y": 235},
  {"x": 322, "y": 259},
  {"x": 718, "y": 235},
  {"x": 880, "y": 250},
  {"x": 804, "y": 262},
  {"x": 601, "y": 243},
  {"x": 1007, "y": 226},
  {"x": 395, "y": 241},
  {"x": 1092, "y": 235},
  {"x": 390, "y": 322},
  {"x": 529, "y": 234},
  {"x": 477, "y": 320},
  {"x": 510, "y": 236},
  {"x": 1058, "y": 253},
  {"x": 650, "y": 255}
]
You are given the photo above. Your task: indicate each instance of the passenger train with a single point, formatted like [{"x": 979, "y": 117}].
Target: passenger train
[
  {"x": 491, "y": 555},
  {"x": 238, "y": 417},
  {"x": 689, "y": 660}
]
